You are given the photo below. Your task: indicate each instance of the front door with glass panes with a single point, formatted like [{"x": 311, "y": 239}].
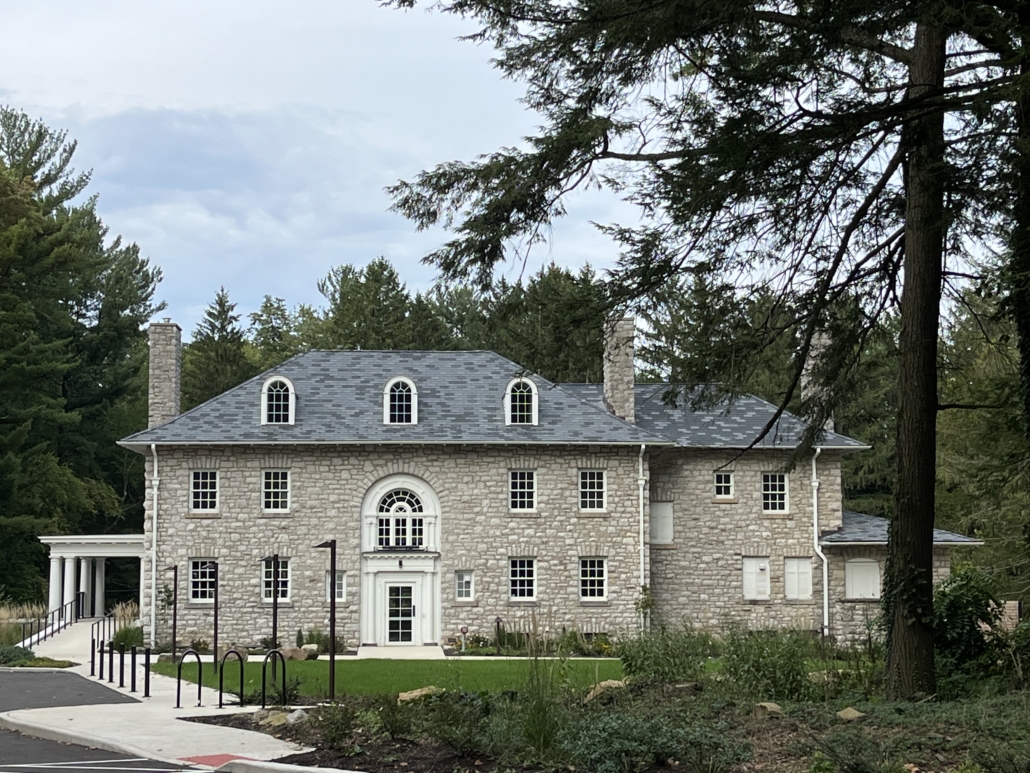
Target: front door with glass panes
[{"x": 400, "y": 616}]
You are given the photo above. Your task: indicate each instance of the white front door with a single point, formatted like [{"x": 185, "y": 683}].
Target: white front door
[{"x": 400, "y": 614}]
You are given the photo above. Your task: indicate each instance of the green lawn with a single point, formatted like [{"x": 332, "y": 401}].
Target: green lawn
[{"x": 367, "y": 677}]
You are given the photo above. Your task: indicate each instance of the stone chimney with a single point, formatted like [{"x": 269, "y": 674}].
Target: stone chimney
[
  {"x": 810, "y": 389},
  {"x": 619, "y": 373},
  {"x": 165, "y": 372}
]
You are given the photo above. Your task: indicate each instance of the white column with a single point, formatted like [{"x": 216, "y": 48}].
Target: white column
[
  {"x": 55, "y": 583},
  {"x": 100, "y": 587},
  {"x": 69, "y": 579},
  {"x": 85, "y": 583}
]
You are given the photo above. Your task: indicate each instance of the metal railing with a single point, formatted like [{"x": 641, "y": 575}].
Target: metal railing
[{"x": 42, "y": 628}]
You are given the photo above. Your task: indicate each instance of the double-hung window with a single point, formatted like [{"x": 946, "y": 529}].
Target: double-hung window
[
  {"x": 268, "y": 578},
  {"x": 661, "y": 523},
  {"x": 724, "y": 485},
  {"x": 339, "y": 587},
  {"x": 522, "y": 489},
  {"x": 204, "y": 490},
  {"x": 592, "y": 495},
  {"x": 593, "y": 580},
  {"x": 203, "y": 577},
  {"x": 275, "y": 495},
  {"x": 774, "y": 492},
  {"x": 522, "y": 578}
]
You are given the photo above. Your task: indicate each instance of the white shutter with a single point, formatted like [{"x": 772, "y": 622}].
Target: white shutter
[
  {"x": 862, "y": 578},
  {"x": 661, "y": 523},
  {"x": 755, "y": 578},
  {"x": 797, "y": 578}
]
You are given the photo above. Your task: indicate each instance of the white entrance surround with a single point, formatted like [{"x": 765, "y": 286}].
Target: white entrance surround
[
  {"x": 400, "y": 541},
  {"x": 86, "y": 553}
]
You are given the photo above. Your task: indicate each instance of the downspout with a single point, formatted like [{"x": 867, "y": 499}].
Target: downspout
[
  {"x": 641, "y": 480},
  {"x": 815, "y": 543},
  {"x": 153, "y": 554}
]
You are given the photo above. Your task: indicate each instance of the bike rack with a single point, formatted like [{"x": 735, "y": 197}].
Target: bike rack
[
  {"x": 178, "y": 678},
  {"x": 264, "y": 667},
  {"x": 221, "y": 675}
]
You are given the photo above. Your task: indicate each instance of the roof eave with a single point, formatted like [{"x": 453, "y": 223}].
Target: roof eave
[
  {"x": 144, "y": 444},
  {"x": 883, "y": 543}
]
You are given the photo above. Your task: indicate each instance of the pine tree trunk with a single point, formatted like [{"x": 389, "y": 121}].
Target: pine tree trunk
[{"x": 909, "y": 580}]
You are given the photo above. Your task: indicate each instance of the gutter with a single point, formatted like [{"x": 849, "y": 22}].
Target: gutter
[
  {"x": 970, "y": 544},
  {"x": 641, "y": 481},
  {"x": 816, "y": 545},
  {"x": 153, "y": 554}
]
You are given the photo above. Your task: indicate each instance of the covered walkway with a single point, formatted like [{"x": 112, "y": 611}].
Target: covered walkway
[{"x": 77, "y": 564}]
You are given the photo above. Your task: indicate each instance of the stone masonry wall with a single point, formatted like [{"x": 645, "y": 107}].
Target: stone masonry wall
[
  {"x": 852, "y": 619},
  {"x": 698, "y": 579},
  {"x": 477, "y": 533}
]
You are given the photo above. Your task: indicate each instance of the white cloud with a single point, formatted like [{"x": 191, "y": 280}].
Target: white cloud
[{"x": 247, "y": 144}]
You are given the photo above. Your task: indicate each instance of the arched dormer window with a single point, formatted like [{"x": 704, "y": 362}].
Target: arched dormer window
[
  {"x": 520, "y": 402},
  {"x": 400, "y": 402},
  {"x": 278, "y": 401}
]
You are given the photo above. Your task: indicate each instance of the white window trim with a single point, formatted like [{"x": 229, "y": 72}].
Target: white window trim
[
  {"x": 733, "y": 485},
  {"x": 218, "y": 492},
  {"x": 604, "y": 492},
  {"x": 786, "y": 494},
  {"x": 507, "y": 402},
  {"x": 329, "y": 585},
  {"x": 536, "y": 493},
  {"x": 386, "y": 401},
  {"x": 804, "y": 589},
  {"x": 289, "y": 492},
  {"x": 755, "y": 564},
  {"x": 604, "y": 586},
  {"x": 849, "y": 578},
  {"x": 472, "y": 584},
  {"x": 264, "y": 401},
  {"x": 653, "y": 536},
  {"x": 288, "y": 581},
  {"x": 536, "y": 578},
  {"x": 189, "y": 580}
]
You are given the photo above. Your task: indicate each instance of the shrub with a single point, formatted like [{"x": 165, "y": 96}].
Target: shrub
[
  {"x": 966, "y": 613},
  {"x": 666, "y": 656},
  {"x": 130, "y": 637},
  {"x": 768, "y": 665},
  {"x": 335, "y": 723},
  {"x": 395, "y": 718},
  {"x": 459, "y": 721},
  {"x": 14, "y": 656}
]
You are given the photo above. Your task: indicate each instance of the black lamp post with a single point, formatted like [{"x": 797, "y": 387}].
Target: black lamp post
[
  {"x": 213, "y": 566},
  {"x": 331, "y": 544},
  {"x": 175, "y": 607},
  {"x": 274, "y": 558}
]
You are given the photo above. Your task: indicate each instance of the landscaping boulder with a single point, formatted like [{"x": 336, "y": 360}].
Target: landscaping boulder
[
  {"x": 294, "y": 653},
  {"x": 603, "y": 687},
  {"x": 241, "y": 651},
  {"x": 297, "y": 717},
  {"x": 688, "y": 688},
  {"x": 768, "y": 710},
  {"x": 421, "y": 692},
  {"x": 275, "y": 719},
  {"x": 849, "y": 714},
  {"x": 310, "y": 648}
]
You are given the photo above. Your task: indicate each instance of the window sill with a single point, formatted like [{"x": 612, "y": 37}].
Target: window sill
[
  {"x": 594, "y": 603},
  {"x": 757, "y": 601},
  {"x": 663, "y": 546},
  {"x": 724, "y": 500},
  {"x": 275, "y": 514},
  {"x": 593, "y": 514},
  {"x": 524, "y": 513},
  {"x": 777, "y": 514},
  {"x": 200, "y": 605},
  {"x": 203, "y": 514},
  {"x": 466, "y": 603},
  {"x": 861, "y": 601},
  {"x": 799, "y": 602},
  {"x": 522, "y": 602},
  {"x": 325, "y": 603},
  {"x": 282, "y": 604}
]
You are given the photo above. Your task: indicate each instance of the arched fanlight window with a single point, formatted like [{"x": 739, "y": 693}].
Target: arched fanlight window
[
  {"x": 398, "y": 525},
  {"x": 278, "y": 401},
  {"x": 400, "y": 402},
  {"x": 520, "y": 402}
]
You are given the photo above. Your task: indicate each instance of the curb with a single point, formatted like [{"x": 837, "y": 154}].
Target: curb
[
  {"x": 82, "y": 739},
  {"x": 259, "y": 766}
]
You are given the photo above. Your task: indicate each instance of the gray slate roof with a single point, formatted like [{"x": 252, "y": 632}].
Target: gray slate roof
[
  {"x": 340, "y": 400},
  {"x": 726, "y": 425},
  {"x": 862, "y": 529}
]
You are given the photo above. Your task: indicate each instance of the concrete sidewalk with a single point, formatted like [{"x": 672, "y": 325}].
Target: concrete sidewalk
[{"x": 152, "y": 727}]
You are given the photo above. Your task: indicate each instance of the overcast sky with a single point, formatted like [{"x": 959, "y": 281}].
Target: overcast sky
[{"x": 247, "y": 144}]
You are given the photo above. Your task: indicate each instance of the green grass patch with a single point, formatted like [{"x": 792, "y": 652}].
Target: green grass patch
[{"x": 371, "y": 677}]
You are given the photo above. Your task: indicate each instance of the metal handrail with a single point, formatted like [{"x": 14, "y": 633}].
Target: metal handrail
[
  {"x": 42, "y": 628},
  {"x": 264, "y": 668},
  {"x": 221, "y": 675},
  {"x": 178, "y": 680}
]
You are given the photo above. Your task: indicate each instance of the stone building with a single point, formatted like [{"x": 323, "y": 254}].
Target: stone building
[{"x": 462, "y": 490}]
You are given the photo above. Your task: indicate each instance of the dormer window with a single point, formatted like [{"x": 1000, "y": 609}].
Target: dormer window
[
  {"x": 520, "y": 403},
  {"x": 278, "y": 401},
  {"x": 400, "y": 402}
]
